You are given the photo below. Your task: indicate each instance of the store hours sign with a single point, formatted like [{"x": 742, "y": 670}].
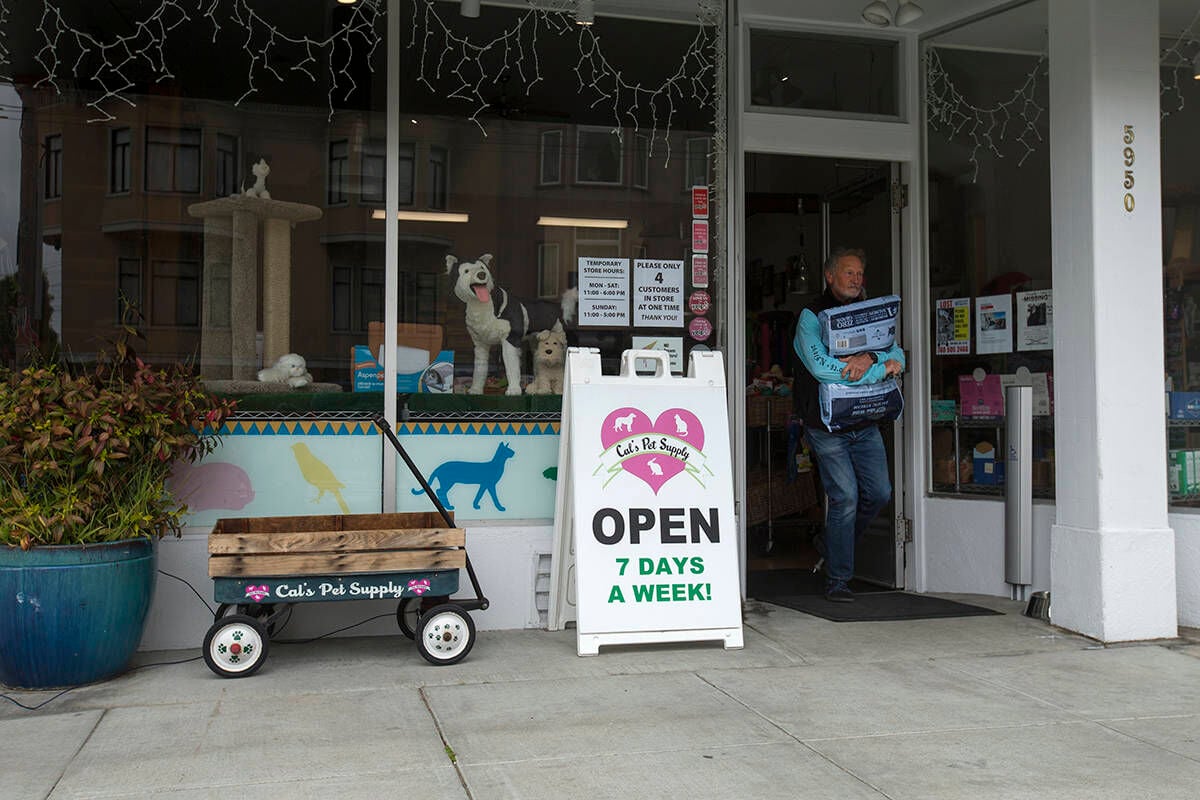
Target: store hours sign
[{"x": 646, "y": 504}]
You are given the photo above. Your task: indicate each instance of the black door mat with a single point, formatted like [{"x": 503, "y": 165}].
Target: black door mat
[
  {"x": 765, "y": 584},
  {"x": 881, "y": 606}
]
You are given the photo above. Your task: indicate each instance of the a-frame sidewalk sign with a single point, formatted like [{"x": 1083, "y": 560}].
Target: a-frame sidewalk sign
[{"x": 645, "y": 546}]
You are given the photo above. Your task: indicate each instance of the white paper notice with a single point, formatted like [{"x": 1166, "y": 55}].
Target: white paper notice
[
  {"x": 603, "y": 291},
  {"x": 1035, "y": 320},
  {"x": 671, "y": 344},
  {"x": 993, "y": 328},
  {"x": 657, "y": 293}
]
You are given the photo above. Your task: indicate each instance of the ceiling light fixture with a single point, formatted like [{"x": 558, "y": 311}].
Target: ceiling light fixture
[
  {"x": 878, "y": 13},
  {"x": 908, "y": 12},
  {"x": 585, "y": 12},
  {"x": 347, "y": 2},
  {"x": 583, "y": 222},
  {"x": 469, "y": 8},
  {"x": 423, "y": 216},
  {"x": 1196, "y": 67}
]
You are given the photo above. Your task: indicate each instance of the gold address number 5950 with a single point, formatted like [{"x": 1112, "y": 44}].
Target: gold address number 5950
[{"x": 1128, "y": 157}]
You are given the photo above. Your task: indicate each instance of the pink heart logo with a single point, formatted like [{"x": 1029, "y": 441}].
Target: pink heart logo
[
  {"x": 258, "y": 593},
  {"x": 418, "y": 586},
  {"x": 653, "y": 451}
]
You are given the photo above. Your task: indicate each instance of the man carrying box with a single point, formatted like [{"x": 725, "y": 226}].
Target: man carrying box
[{"x": 850, "y": 457}]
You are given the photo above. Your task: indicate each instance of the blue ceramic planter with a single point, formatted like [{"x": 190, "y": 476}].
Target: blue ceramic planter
[{"x": 72, "y": 615}]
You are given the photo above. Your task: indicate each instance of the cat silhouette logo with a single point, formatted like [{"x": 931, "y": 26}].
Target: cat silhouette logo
[
  {"x": 484, "y": 474},
  {"x": 654, "y": 451}
]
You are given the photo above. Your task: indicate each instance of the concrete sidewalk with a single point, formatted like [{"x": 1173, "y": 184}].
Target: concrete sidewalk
[{"x": 979, "y": 707}]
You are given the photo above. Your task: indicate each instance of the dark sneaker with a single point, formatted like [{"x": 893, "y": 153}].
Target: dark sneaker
[{"x": 838, "y": 592}]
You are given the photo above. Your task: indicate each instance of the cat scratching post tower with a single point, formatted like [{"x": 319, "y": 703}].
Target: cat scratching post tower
[{"x": 230, "y": 293}]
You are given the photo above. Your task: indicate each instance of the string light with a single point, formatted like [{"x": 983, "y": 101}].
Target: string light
[
  {"x": 984, "y": 128},
  {"x": 468, "y": 67},
  {"x": 66, "y": 48}
]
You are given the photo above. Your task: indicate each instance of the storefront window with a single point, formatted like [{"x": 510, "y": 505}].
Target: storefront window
[
  {"x": 989, "y": 254},
  {"x": 1181, "y": 269},
  {"x": 569, "y": 146}
]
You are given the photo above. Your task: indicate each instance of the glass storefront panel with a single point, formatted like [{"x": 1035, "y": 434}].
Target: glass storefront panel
[
  {"x": 518, "y": 123},
  {"x": 1180, "y": 125},
  {"x": 990, "y": 281}
]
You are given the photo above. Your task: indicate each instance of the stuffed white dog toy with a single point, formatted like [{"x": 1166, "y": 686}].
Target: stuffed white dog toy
[
  {"x": 494, "y": 317},
  {"x": 549, "y": 359},
  {"x": 289, "y": 369}
]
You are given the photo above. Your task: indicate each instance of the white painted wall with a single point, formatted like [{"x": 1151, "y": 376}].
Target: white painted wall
[
  {"x": 504, "y": 555},
  {"x": 963, "y": 545}
]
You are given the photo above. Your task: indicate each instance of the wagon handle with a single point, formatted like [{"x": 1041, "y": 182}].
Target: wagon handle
[{"x": 381, "y": 422}]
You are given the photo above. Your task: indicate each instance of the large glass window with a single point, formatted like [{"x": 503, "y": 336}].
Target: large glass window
[
  {"x": 547, "y": 164},
  {"x": 1179, "y": 128},
  {"x": 990, "y": 284}
]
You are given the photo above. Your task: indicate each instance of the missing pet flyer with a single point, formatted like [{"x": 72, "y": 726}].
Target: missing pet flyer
[
  {"x": 603, "y": 291},
  {"x": 993, "y": 315},
  {"x": 1035, "y": 320},
  {"x": 953, "y": 317},
  {"x": 657, "y": 293}
]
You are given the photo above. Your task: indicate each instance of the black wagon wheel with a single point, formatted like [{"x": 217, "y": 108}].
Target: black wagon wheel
[
  {"x": 445, "y": 634},
  {"x": 409, "y": 611},
  {"x": 235, "y": 646}
]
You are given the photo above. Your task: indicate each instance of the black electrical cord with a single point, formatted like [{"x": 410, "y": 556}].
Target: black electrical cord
[{"x": 210, "y": 610}]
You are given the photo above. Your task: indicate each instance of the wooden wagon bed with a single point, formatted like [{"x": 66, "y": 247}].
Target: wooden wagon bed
[{"x": 340, "y": 544}]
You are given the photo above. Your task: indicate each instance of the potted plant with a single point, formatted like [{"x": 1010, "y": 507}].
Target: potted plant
[{"x": 84, "y": 459}]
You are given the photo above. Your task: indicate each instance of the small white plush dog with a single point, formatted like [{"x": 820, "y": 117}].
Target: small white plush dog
[
  {"x": 549, "y": 359},
  {"x": 290, "y": 369},
  {"x": 261, "y": 170}
]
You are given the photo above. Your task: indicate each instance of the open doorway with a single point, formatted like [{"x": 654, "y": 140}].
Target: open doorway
[{"x": 797, "y": 210}]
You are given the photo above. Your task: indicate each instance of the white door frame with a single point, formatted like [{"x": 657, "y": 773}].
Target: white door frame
[{"x": 900, "y": 142}]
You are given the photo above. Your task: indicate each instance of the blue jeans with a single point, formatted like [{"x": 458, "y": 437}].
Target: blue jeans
[{"x": 854, "y": 471}]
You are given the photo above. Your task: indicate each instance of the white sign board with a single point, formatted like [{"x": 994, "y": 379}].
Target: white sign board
[
  {"x": 603, "y": 291},
  {"x": 657, "y": 293},
  {"x": 645, "y": 530}
]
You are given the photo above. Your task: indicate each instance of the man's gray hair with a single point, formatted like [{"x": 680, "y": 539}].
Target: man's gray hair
[{"x": 840, "y": 253}]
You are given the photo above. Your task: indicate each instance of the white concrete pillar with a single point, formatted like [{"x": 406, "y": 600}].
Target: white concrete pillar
[{"x": 1112, "y": 559}]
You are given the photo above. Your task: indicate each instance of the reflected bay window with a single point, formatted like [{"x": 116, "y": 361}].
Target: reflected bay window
[
  {"x": 550, "y": 170},
  {"x": 357, "y": 297},
  {"x": 227, "y": 166},
  {"x": 53, "y": 171},
  {"x": 438, "y": 157},
  {"x": 175, "y": 293},
  {"x": 119, "y": 153},
  {"x": 339, "y": 162},
  {"x": 173, "y": 160}
]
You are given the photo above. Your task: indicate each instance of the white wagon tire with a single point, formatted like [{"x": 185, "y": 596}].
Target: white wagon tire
[
  {"x": 445, "y": 634},
  {"x": 235, "y": 646}
]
